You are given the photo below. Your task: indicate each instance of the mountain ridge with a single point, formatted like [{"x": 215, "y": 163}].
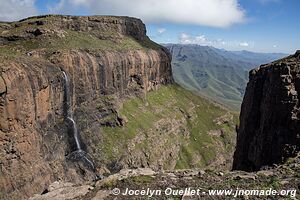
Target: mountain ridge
[{"x": 218, "y": 74}]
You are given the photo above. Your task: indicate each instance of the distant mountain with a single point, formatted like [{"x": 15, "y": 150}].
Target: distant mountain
[
  {"x": 216, "y": 73},
  {"x": 257, "y": 58}
]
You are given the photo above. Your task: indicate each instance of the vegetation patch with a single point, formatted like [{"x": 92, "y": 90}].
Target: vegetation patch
[{"x": 147, "y": 119}]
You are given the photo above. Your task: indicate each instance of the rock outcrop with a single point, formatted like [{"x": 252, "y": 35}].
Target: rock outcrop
[
  {"x": 32, "y": 129},
  {"x": 269, "y": 131},
  {"x": 206, "y": 182}
]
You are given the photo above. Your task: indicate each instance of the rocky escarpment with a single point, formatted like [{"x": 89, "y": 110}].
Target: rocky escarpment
[
  {"x": 269, "y": 129},
  {"x": 100, "y": 55},
  {"x": 117, "y": 27}
]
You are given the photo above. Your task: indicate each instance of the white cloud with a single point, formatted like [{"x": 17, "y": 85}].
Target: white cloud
[
  {"x": 185, "y": 38},
  {"x": 161, "y": 31},
  {"x": 200, "y": 39},
  {"x": 215, "y": 13},
  {"x": 274, "y": 46},
  {"x": 244, "y": 44},
  {"x": 16, "y": 9}
]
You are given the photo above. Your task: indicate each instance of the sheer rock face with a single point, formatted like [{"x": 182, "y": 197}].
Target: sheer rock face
[
  {"x": 32, "y": 132},
  {"x": 269, "y": 129}
]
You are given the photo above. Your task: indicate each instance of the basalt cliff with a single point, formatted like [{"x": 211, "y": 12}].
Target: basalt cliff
[
  {"x": 32, "y": 136},
  {"x": 269, "y": 131},
  {"x": 97, "y": 86}
]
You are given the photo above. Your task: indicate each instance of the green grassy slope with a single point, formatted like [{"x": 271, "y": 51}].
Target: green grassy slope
[
  {"x": 218, "y": 74},
  {"x": 18, "y": 38},
  {"x": 151, "y": 119}
]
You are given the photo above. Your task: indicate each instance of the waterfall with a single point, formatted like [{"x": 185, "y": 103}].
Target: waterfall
[
  {"x": 77, "y": 154},
  {"x": 69, "y": 114},
  {"x": 75, "y": 133},
  {"x": 67, "y": 101}
]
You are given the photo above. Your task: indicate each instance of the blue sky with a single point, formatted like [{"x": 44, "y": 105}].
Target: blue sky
[
  {"x": 254, "y": 25},
  {"x": 271, "y": 26}
]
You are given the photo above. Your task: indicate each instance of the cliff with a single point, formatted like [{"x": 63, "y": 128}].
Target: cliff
[
  {"x": 269, "y": 131},
  {"x": 100, "y": 55},
  {"x": 124, "y": 107}
]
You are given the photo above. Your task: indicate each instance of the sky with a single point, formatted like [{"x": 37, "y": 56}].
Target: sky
[{"x": 253, "y": 25}]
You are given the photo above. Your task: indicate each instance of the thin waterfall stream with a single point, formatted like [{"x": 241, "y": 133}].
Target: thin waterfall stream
[
  {"x": 77, "y": 153},
  {"x": 69, "y": 113}
]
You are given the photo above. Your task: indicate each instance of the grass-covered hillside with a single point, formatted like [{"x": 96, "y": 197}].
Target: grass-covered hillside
[
  {"x": 167, "y": 128},
  {"x": 216, "y": 73},
  {"x": 48, "y": 34}
]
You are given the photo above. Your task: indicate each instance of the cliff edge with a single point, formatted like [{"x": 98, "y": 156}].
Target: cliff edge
[{"x": 269, "y": 131}]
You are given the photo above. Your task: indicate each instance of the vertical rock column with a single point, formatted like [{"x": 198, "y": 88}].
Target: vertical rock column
[{"x": 269, "y": 129}]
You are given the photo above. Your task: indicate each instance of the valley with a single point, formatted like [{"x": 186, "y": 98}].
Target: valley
[
  {"x": 218, "y": 74},
  {"x": 90, "y": 106}
]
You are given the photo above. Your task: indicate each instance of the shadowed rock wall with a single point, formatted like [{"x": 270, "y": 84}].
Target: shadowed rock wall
[{"x": 269, "y": 129}]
